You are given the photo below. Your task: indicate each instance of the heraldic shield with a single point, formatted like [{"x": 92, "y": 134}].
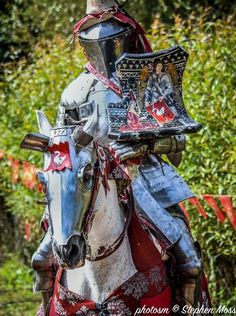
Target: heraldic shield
[{"x": 152, "y": 105}]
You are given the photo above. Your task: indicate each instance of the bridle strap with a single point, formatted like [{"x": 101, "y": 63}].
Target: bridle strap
[
  {"x": 104, "y": 252},
  {"x": 106, "y": 81},
  {"x": 89, "y": 212}
]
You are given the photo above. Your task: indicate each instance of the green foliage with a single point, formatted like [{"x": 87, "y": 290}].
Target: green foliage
[
  {"x": 209, "y": 161},
  {"x": 209, "y": 93},
  {"x": 14, "y": 275},
  {"x": 26, "y": 89},
  {"x": 37, "y": 86},
  {"x": 24, "y": 22},
  {"x": 16, "y": 296}
]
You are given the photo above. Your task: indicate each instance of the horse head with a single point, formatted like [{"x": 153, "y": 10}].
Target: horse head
[{"x": 68, "y": 178}]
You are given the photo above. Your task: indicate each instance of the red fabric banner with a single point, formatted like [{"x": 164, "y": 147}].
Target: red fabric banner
[
  {"x": 29, "y": 175},
  {"x": 195, "y": 202},
  {"x": 183, "y": 208},
  {"x": 227, "y": 204},
  {"x": 27, "y": 229},
  {"x": 39, "y": 187},
  {"x": 15, "y": 168},
  {"x": 213, "y": 204}
]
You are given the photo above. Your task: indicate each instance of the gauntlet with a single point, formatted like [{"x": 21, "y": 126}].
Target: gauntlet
[{"x": 169, "y": 145}]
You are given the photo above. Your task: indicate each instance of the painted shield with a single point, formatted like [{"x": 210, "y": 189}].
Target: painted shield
[{"x": 152, "y": 105}]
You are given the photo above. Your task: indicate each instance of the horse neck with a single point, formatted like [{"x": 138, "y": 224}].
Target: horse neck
[
  {"x": 96, "y": 279},
  {"x": 109, "y": 220}
]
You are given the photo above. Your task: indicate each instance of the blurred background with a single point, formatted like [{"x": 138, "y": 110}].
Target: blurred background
[{"x": 37, "y": 62}]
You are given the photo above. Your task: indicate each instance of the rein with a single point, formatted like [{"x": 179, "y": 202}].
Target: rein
[{"x": 103, "y": 252}]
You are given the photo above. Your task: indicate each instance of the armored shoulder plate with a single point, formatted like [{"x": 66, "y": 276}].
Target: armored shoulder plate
[
  {"x": 76, "y": 93},
  {"x": 74, "y": 99}
]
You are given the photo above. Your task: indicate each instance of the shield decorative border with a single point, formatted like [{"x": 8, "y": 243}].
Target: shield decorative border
[{"x": 152, "y": 104}]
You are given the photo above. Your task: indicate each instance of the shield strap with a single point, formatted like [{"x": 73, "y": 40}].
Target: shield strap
[{"x": 107, "y": 82}]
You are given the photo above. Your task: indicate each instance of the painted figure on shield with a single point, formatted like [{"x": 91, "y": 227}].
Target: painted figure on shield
[
  {"x": 159, "y": 96},
  {"x": 105, "y": 33}
]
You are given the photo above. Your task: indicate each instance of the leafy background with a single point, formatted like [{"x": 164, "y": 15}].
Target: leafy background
[{"x": 37, "y": 63}]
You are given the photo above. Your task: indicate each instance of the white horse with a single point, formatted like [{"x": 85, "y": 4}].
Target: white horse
[{"x": 89, "y": 230}]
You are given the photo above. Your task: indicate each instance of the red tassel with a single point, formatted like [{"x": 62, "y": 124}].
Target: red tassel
[
  {"x": 15, "y": 167},
  {"x": 213, "y": 204},
  {"x": 183, "y": 208},
  {"x": 227, "y": 204},
  {"x": 195, "y": 202}
]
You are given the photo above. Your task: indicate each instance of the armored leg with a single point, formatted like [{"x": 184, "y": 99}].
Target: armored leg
[
  {"x": 188, "y": 268},
  {"x": 44, "y": 269},
  {"x": 160, "y": 185}
]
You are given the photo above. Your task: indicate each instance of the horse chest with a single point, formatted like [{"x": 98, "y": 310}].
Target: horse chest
[{"x": 96, "y": 280}]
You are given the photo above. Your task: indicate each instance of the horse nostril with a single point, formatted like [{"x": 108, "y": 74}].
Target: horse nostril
[
  {"x": 72, "y": 251},
  {"x": 72, "y": 254}
]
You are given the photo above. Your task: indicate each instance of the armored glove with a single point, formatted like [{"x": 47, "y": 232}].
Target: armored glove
[{"x": 170, "y": 146}]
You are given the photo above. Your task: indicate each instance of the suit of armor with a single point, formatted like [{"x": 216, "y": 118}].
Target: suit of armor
[{"x": 84, "y": 102}]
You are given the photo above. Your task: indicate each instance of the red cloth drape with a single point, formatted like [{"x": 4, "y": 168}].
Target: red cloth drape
[
  {"x": 227, "y": 204},
  {"x": 195, "y": 202},
  {"x": 15, "y": 168},
  {"x": 29, "y": 175},
  {"x": 213, "y": 204}
]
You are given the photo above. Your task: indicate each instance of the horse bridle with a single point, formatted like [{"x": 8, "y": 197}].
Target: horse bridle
[{"x": 103, "y": 251}]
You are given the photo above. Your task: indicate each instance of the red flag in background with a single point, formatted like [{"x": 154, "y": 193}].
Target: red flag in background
[
  {"x": 15, "y": 168},
  {"x": 183, "y": 208},
  {"x": 39, "y": 187},
  {"x": 227, "y": 204},
  {"x": 195, "y": 202},
  {"x": 29, "y": 175},
  {"x": 27, "y": 229},
  {"x": 213, "y": 204}
]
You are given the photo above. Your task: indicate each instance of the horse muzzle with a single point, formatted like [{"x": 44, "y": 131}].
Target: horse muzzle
[{"x": 72, "y": 254}]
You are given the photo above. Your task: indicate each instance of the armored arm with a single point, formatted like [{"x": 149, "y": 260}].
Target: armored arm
[{"x": 171, "y": 146}]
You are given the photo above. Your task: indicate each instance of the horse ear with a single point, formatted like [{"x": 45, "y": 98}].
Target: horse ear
[{"x": 43, "y": 123}]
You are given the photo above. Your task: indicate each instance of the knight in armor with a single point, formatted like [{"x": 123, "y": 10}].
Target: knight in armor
[{"x": 105, "y": 33}]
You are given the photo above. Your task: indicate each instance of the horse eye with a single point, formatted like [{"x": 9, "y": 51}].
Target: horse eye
[{"x": 86, "y": 176}]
